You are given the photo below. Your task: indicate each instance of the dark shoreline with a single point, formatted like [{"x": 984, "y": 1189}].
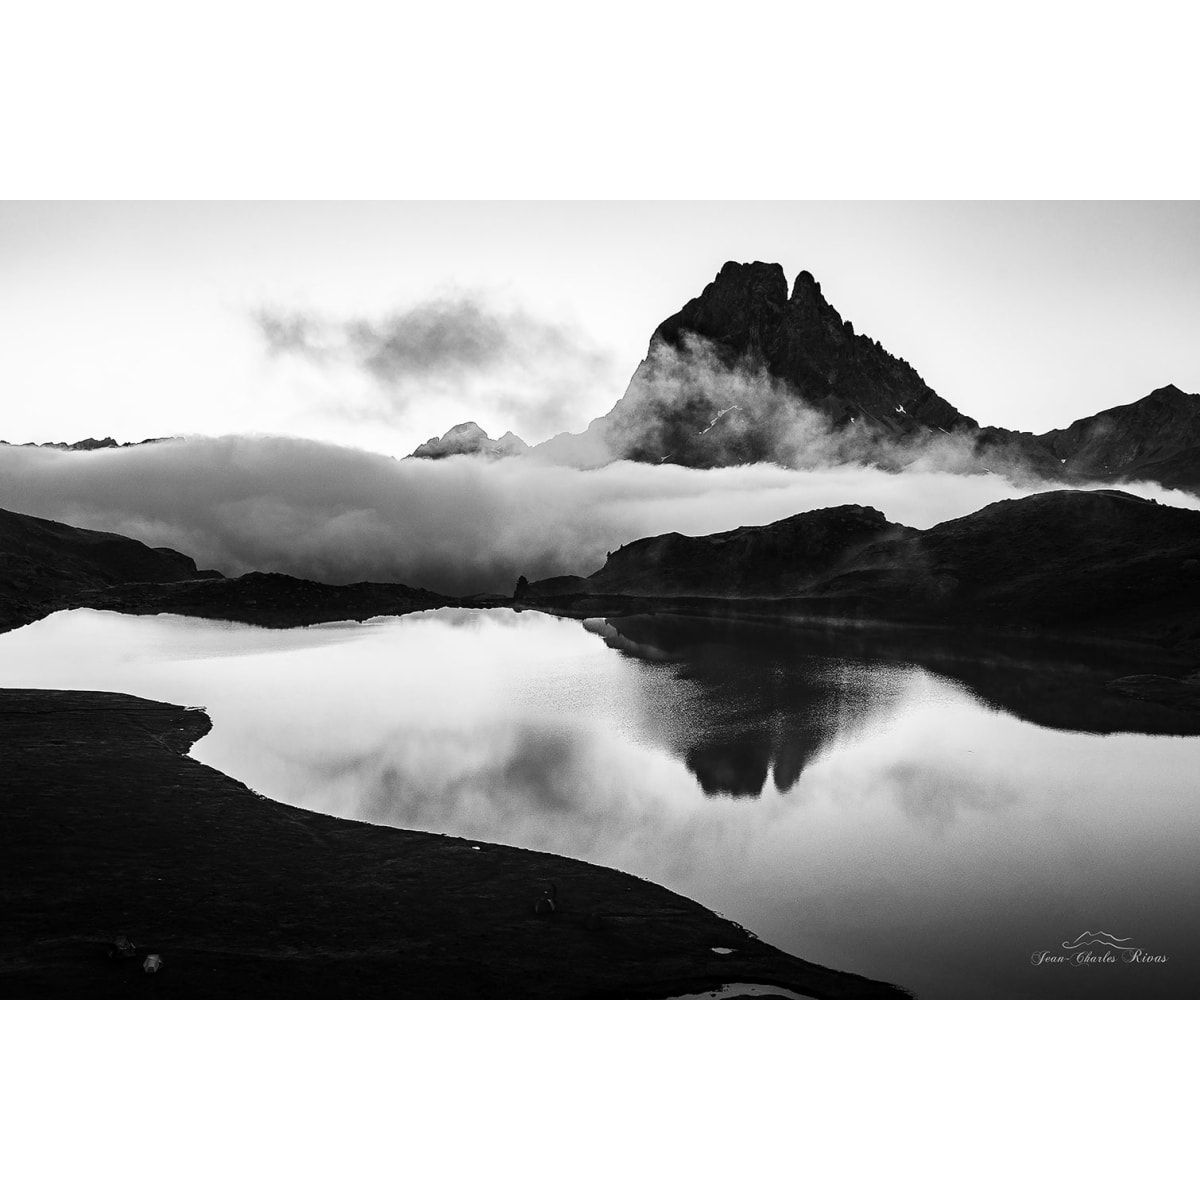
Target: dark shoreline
[{"x": 109, "y": 829}]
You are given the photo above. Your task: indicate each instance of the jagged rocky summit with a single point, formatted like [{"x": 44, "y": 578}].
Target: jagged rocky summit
[
  {"x": 717, "y": 357},
  {"x": 751, "y": 371}
]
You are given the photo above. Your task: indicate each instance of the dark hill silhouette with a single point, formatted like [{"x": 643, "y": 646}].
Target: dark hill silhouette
[
  {"x": 769, "y": 560},
  {"x": 1099, "y": 563},
  {"x": 1155, "y": 438},
  {"x": 44, "y": 564}
]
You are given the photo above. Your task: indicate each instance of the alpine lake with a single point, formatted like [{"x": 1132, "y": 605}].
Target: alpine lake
[{"x": 953, "y": 816}]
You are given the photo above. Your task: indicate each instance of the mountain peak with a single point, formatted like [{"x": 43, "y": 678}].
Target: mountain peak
[
  {"x": 746, "y": 373},
  {"x": 805, "y": 286},
  {"x": 1171, "y": 392},
  {"x": 744, "y": 323},
  {"x": 468, "y": 437},
  {"x": 740, "y": 274}
]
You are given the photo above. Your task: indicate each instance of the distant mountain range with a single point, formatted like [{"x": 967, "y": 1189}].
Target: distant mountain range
[
  {"x": 468, "y": 438},
  {"x": 106, "y": 443},
  {"x": 747, "y": 372}
]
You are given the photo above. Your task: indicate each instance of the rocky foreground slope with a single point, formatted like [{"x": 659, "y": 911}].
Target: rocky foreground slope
[{"x": 109, "y": 831}]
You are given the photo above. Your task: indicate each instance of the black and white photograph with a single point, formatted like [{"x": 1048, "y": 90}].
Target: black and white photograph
[
  {"x": 565, "y": 613},
  {"x": 599, "y": 510}
]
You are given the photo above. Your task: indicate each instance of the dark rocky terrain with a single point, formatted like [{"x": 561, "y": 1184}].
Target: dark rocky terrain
[
  {"x": 44, "y": 565},
  {"x": 108, "y": 830},
  {"x": 1102, "y": 564},
  {"x": 780, "y": 559},
  {"x": 1156, "y": 438},
  {"x": 749, "y": 322}
]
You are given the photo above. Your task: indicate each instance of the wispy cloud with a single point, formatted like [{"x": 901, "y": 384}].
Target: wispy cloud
[{"x": 541, "y": 374}]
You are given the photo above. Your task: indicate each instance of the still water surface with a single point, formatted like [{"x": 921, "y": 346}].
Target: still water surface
[{"x": 848, "y": 806}]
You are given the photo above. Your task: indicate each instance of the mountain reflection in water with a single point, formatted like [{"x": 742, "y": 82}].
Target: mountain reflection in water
[
  {"x": 769, "y": 706},
  {"x": 927, "y": 811}
]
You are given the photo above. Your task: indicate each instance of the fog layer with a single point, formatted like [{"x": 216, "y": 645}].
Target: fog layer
[{"x": 458, "y": 525}]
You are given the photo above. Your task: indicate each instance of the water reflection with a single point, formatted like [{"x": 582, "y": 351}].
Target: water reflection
[
  {"x": 864, "y": 808},
  {"x": 765, "y": 707}
]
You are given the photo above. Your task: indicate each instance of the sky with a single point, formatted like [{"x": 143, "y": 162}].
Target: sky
[{"x": 376, "y": 325}]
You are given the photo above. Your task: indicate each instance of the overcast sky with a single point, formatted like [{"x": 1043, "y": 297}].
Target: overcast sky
[{"x": 381, "y": 324}]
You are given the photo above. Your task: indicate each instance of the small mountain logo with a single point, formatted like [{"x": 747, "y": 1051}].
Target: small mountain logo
[
  {"x": 1100, "y": 948},
  {"x": 1099, "y": 938}
]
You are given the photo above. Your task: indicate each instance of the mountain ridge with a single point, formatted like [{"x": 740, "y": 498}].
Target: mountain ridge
[
  {"x": 749, "y": 372},
  {"x": 1098, "y": 563},
  {"x": 44, "y": 564}
]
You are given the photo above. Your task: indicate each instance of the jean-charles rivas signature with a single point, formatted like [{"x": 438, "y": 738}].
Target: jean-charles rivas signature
[{"x": 1096, "y": 948}]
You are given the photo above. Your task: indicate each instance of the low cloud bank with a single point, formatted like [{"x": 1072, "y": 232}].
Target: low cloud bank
[{"x": 458, "y": 525}]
